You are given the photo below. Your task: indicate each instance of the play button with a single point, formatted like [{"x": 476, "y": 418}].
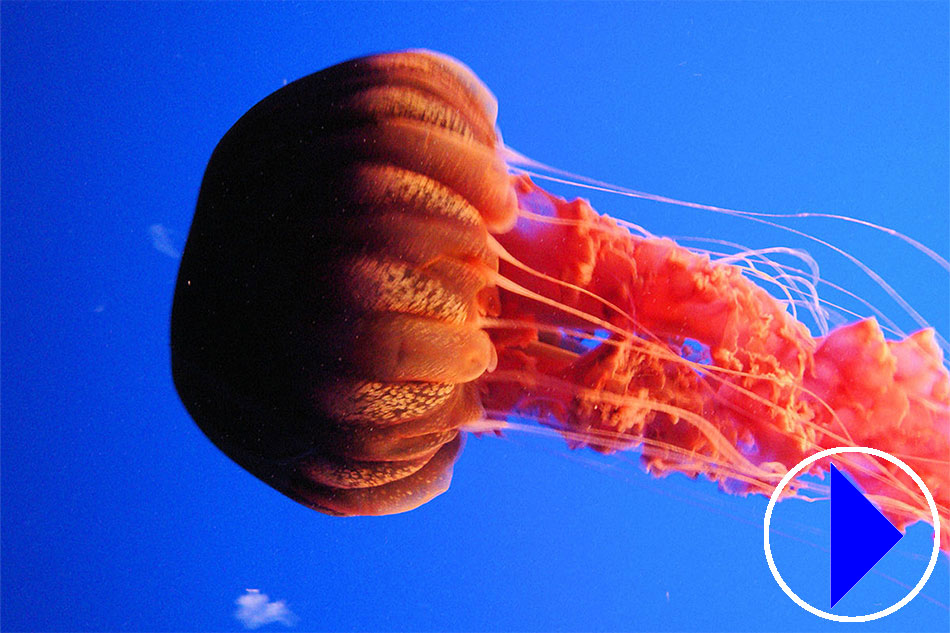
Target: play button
[
  {"x": 860, "y": 535},
  {"x": 858, "y": 540}
]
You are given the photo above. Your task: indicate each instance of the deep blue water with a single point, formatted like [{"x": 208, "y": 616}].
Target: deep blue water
[{"x": 117, "y": 513}]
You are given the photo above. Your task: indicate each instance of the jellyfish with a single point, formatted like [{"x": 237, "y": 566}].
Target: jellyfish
[{"x": 367, "y": 279}]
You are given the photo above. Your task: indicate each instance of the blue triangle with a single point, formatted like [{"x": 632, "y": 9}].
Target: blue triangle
[{"x": 860, "y": 535}]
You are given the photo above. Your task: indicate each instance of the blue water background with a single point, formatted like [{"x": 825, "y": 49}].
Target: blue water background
[{"x": 118, "y": 515}]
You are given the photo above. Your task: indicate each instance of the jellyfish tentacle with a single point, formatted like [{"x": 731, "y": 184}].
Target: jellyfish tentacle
[{"x": 767, "y": 395}]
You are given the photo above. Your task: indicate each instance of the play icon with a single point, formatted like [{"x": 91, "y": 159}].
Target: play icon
[{"x": 860, "y": 535}]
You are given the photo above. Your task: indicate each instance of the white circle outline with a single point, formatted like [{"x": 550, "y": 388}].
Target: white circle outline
[{"x": 870, "y": 616}]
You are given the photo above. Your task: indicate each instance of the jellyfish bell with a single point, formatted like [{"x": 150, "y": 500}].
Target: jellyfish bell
[
  {"x": 325, "y": 322},
  {"x": 366, "y": 279}
]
